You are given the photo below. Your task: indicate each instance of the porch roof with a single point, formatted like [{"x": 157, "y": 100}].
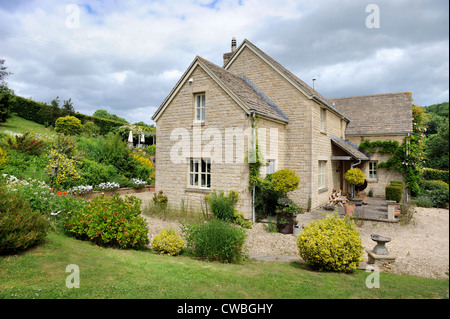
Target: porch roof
[{"x": 349, "y": 148}]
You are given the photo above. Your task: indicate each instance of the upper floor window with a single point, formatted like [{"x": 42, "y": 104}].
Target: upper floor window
[
  {"x": 322, "y": 119},
  {"x": 200, "y": 107}
]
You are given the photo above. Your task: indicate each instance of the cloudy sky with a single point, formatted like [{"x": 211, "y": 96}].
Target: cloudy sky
[{"x": 126, "y": 56}]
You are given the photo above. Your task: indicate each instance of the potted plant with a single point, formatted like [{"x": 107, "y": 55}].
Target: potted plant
[
  {"x": 286, "y": 213},
  {"x": 354, "y": 177}
]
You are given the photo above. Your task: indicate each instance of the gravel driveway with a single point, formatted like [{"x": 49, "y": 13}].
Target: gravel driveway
[{"x": 421, "y": 247}]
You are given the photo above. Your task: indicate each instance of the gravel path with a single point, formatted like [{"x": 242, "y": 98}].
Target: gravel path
[{"x": 421, "y": 247}]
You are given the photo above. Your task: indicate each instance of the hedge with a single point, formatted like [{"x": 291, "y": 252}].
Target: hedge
[
  {"x": 394, "y": 192},
  {"x": 431, "y": 174},
  {"x": 105, "y": 125},
  {"x": 48, "y": 114}
]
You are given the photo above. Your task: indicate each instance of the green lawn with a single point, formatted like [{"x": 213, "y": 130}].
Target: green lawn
[
  {"x": 16, "y": 124},
  {"x": 112, "y": 273}
]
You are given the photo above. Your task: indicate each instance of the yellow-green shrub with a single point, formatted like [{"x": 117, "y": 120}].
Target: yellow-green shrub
[
  {"x": 355, "y": 176},
  {"x": 168, "y": 241},
  {"x": 2, "y": 158},
  {"x": 332, "y": 244}
]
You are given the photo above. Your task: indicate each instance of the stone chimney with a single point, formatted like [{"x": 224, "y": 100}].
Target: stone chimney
[{"x": 227, "y": 56}]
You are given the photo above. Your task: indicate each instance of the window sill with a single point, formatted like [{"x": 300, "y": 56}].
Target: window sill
[
  {"x": 197, "y": 190},
  {"x": 323, "y": 190}
]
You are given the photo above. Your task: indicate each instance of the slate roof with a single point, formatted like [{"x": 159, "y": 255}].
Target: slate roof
[
  {"x": 349, "y": 148},
  {"x": 389, "y": 113}
]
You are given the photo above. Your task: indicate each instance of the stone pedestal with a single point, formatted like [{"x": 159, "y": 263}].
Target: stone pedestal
[
  {"x": 384, "y": 262},
  {"x": 391, "y": 209}
]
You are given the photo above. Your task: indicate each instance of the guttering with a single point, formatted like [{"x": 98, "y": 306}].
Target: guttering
[{"x": 269, "y": 117}]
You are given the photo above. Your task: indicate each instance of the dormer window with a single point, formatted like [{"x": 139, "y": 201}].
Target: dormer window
[{"x": 200, "y": 107}]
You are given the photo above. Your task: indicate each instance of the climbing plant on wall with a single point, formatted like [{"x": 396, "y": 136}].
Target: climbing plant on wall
[{"x": 407, "y": 158}]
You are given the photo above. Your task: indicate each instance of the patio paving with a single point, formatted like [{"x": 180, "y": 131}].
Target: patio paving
[{"x": 376, "y": 209}]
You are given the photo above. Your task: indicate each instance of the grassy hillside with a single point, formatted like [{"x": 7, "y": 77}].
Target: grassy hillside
[{"x": 16, "y": 124}]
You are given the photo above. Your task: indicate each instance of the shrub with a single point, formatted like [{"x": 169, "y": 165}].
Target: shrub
[
  {"x": 238, "y": 219},
  {"x": 332, "y": 244},
  {"x": 222, "y": 207},
  {"x": 2, "y": 158},
  {"x": 160, "y": 200},
  {"x": 93, "y": 173},
  {"x": 435, "y": 174},
  {"x": 27, "y": 144},
  {"x": 68, "y": 125},
  {"x": 284, "y": 181},
  {"x": 216, "y": 240},
  {"x": 396, "y": 183},
  {"x": 67, "y": 172},
  {"x": 355, "y": 176},
  {"x": 20, "y": 226},
  {"x": 426, "y": 185},
  {"x": 393, "y": 192},
  {"x": 110, "y": 221},
  {"x": 168, "y": 241}
]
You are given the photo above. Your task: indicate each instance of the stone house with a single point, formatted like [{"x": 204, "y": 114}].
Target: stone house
[{"x": 212, "y": 117}]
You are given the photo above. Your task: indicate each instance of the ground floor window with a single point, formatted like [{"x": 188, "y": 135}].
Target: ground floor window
[
  {"x": 200, "y": 173},
  {"x": 322, "y": 182},
  {"x": 373, "y": 171}
]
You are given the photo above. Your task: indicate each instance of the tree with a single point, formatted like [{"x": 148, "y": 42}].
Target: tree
[
  {"x": 437, "y": 147},
  {"x": 68, "y": 106},
  {"x": 6, "y": 101},
  {"x": 6, "y": 94},
  {"x": 55, "y": 102},
  {"x": 3, "y": 73}
]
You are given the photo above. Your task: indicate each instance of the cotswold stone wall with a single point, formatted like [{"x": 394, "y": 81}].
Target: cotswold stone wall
[
  {"x": 384, "y": 176},
  {"x": 221, "y": 112},
  {"x": 304, "y": 143}
]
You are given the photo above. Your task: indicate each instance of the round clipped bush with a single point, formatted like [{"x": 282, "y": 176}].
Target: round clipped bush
[
  {"x": 285, "y": 180},
  {"x": 331, "y": 244},
  {"x": 355, "y": 176},
  {"x": 168, "y": 241},
  {"x": 68, "y": 125}
]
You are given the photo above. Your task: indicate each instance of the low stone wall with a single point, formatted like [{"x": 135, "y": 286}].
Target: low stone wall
[{"x": 120, "y": 191}]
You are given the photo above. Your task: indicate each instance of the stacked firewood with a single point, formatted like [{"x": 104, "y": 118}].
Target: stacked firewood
[{"x": 337, "y": 197}]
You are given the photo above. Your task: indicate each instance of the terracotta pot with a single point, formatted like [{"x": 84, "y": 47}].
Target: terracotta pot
[
  {"x": 397, "y": 209},
  {"x": 349, "y": 209}
]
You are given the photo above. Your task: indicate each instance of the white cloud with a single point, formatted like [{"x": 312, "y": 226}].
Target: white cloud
[{"x": 127, "y": 56}]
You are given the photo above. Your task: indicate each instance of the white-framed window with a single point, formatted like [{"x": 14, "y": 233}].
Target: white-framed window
[
  {"x": 270, "y": 169},
  {"x": 322, "y": 119},
  {"x": 200, "y": 107},
  {"x": 373, "y": 170},
  {"x": 200, "y": 173},
  {"x": 322, "y": 175}
]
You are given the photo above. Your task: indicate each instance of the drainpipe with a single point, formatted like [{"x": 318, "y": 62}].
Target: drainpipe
[{"x": 254, "y": 187}]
